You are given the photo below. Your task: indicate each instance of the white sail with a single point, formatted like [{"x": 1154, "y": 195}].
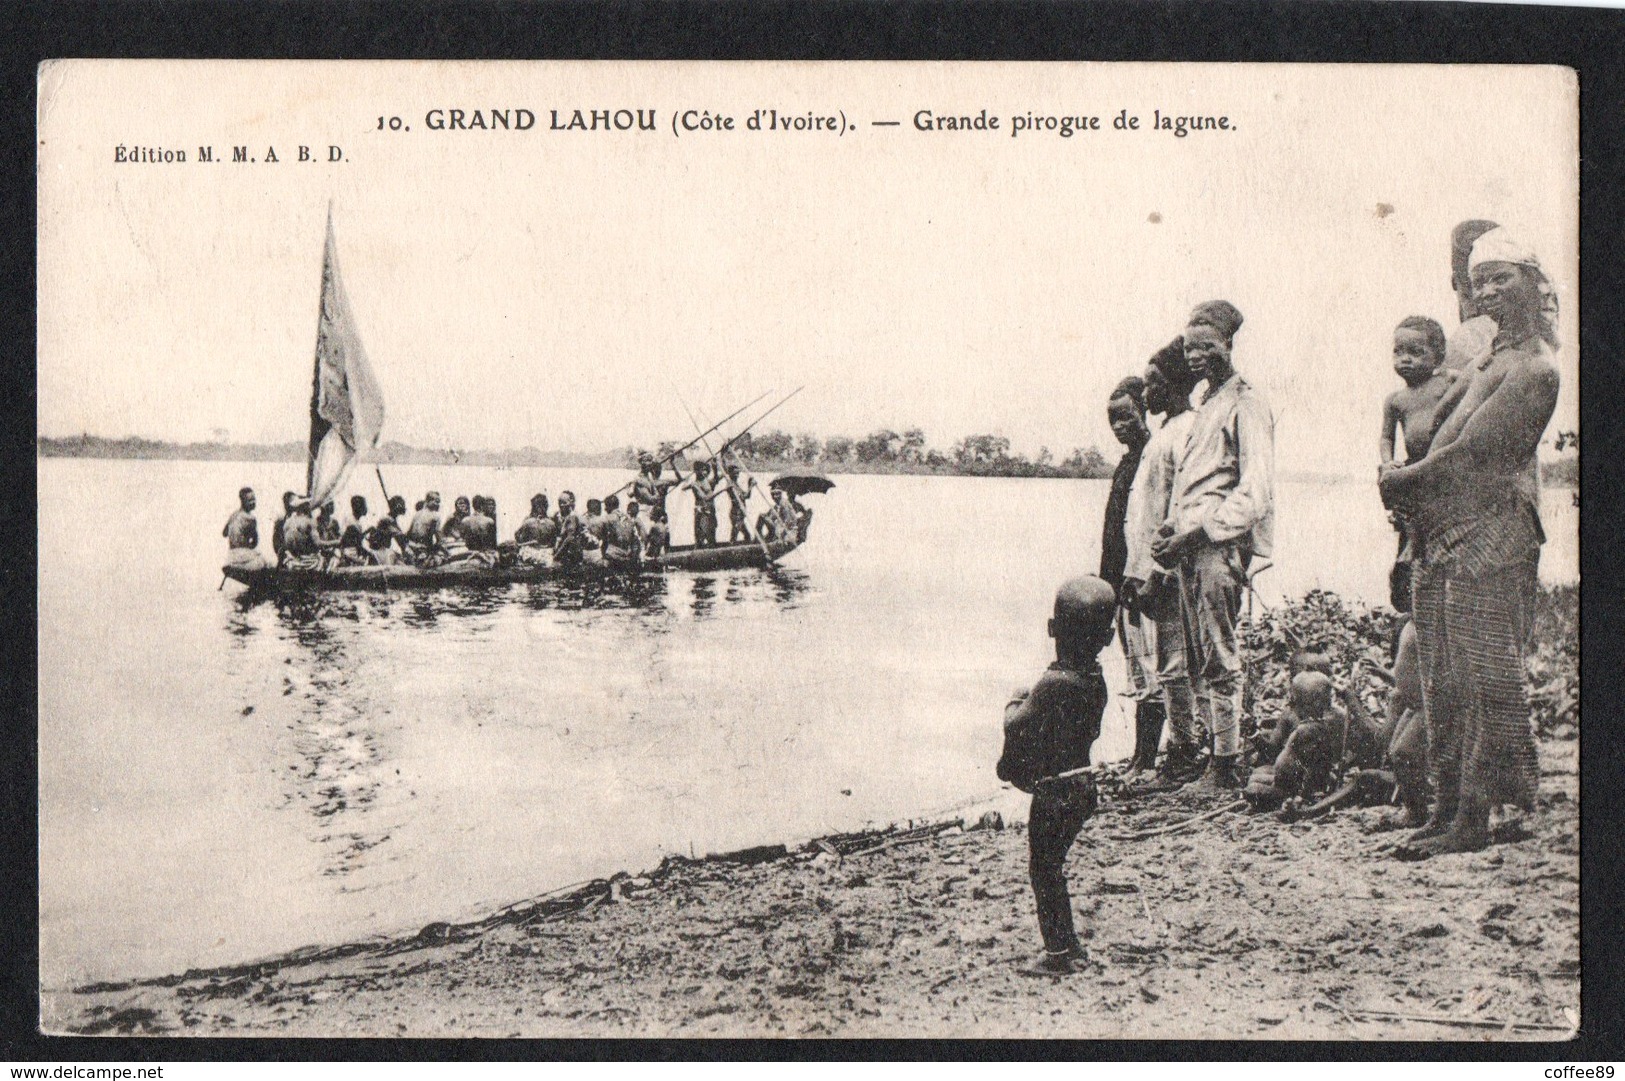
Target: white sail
[{"x": 346, "y": 406}]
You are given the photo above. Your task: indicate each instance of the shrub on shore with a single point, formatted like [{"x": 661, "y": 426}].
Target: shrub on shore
[{"x": 1359, "y": 637}]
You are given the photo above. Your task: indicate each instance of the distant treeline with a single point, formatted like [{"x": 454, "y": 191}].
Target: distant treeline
[
  {"x": 888, "y": 451},
  {"x": 93, "y": 446},
  {"x": 882, "y": 451}
]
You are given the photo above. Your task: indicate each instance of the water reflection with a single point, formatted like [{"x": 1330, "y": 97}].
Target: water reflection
[
  {"x": 636, "y": 592},
  {"x": 336, "y": 741},
  {"x": 704, "y": 592},
  {"x": 336, "y": 758}
]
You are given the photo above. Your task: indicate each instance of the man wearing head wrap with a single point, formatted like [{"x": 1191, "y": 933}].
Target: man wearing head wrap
[
  {"x": 1149, "y": 589},
  {"x": 649, "y": 488},
  {"x": 1474, "y": 501},
  {"x": 1221, "y": 515}
]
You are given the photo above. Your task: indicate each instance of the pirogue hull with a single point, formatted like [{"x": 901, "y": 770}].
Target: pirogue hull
[{"x": 721, "y": 557}]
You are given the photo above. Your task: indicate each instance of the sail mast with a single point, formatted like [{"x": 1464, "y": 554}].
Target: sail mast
[
  {"x": 346, "y": 403},
  {"x": 318, "y": 426}
]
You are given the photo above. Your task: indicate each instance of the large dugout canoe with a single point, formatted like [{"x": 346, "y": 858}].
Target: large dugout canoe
[{"x": 720, "y": 557}]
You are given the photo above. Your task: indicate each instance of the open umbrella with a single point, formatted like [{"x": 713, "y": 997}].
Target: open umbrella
[{"x": 800, "y": 481}]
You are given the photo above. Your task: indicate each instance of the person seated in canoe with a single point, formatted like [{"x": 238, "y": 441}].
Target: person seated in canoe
[
  {"x": 803, "y": 515},
  {"x": 634, "y": 511},
  {"x": 386, "y": 541},
  {"x": 536, "y": 534},
  {"x": 785, "y": 522},
  {"x": 451, "y": 532},
  {"x": 423, "y": 535},
  {"x": 649, "y": 488},
  {"x": 569, "y": 546},
  {"x": 623, "y": 548},
  {"x": 592, "y": 531},
  {"x": 329, "y": 534},
  {"x": 303, "y": 551},
  {"x": 479, "y": 531},
  {"x": 242, "y": 534},
  {"x": 657, "y": 539},
  {"x": 352, "y": 550},
  {"x": 705, "y": 491},
  {"x": 279, "y": 544}
]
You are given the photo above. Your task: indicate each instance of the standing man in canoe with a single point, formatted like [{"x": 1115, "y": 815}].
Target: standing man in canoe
[
  {"x": 1222, "y": 515},
  {"x": 705, "y": 491},
  {"x": 738, "y": 498},
  {"x": 649, "y": 488},
  {"x": 1474, "y": 501}
]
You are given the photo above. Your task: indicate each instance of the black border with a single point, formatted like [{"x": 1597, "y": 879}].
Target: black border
[{"x": 1587, "y": 39}]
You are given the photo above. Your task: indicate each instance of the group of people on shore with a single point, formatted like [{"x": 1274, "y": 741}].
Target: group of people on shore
[
  {"x": 1190, "y": 515},
  {"x": 606, "y": 533}
]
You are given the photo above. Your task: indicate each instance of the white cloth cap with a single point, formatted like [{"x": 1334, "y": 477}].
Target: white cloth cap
[{"x": 1497, "y": 246}]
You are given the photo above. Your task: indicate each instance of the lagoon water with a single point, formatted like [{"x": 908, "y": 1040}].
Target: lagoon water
[{"x": 220, "y": 781}]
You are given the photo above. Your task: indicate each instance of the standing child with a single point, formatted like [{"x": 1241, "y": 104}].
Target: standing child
[
  {"x": 1048, "y": 733},
  {"x": 1410, "y": 414}
]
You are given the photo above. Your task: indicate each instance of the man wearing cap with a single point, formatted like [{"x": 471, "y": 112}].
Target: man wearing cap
[
  {"x": 1475, "y": 503},
  {"x": 1221, "y": 515}
]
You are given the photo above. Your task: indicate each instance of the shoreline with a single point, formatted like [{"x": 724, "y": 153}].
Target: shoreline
[
  {"x": 1234, "y": 925},
  {"x": 592, "y": 460},
  {"x": 1302, "y": 930}
]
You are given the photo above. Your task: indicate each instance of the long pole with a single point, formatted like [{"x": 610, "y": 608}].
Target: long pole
[
  {"x": 741, "y": 434},
  {"x": 744, "y": 497},
  {"x": 679, "y": 451}
]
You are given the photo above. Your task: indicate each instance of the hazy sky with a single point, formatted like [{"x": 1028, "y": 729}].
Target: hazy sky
[{"x": 553, "y": 288}]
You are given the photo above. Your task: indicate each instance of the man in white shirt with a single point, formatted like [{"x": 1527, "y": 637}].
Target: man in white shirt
[
  {"x": 1147, "y": 588},
  {"x": 1221, "y": 515}
]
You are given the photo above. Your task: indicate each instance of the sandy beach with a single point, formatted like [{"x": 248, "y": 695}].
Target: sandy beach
[{"x": 1239, "y": 926}]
